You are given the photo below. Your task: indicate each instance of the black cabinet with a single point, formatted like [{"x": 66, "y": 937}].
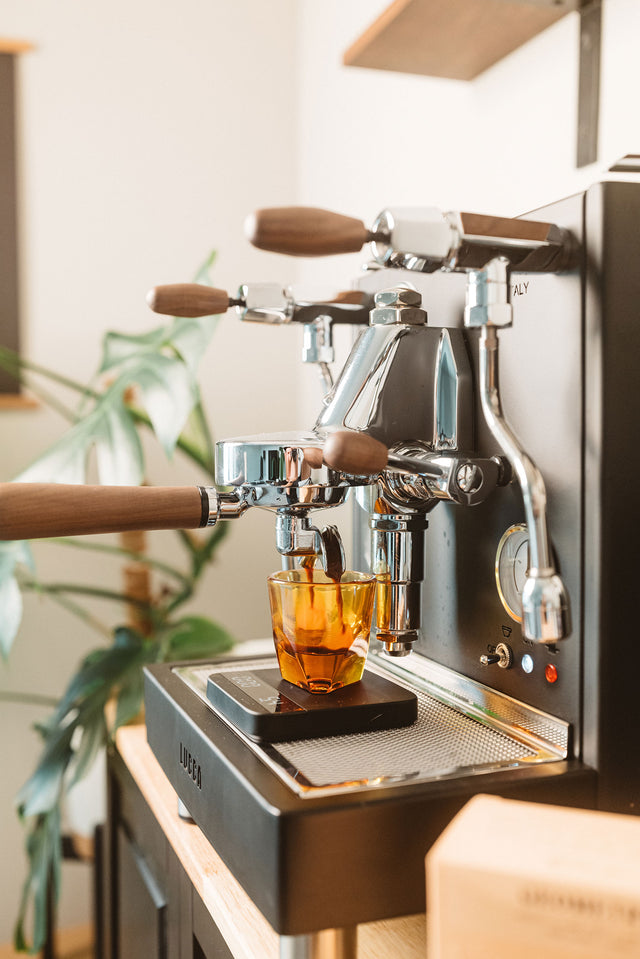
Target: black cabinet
[{"x": 146, "y": 903}]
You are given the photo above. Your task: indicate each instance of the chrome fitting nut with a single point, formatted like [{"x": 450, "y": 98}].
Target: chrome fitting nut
[{"x": 398, "y": 305}]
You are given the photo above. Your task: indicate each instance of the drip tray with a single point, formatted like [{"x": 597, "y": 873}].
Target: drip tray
[
  {"x": 454, "y": 735},
  {"x": 332, "y": 832}
]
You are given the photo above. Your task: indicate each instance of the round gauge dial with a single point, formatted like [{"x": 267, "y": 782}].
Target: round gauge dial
[{"x": 512, "y": 563}]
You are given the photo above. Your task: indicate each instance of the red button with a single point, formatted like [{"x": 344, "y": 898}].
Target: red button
[{"x": 551, "y": 673}]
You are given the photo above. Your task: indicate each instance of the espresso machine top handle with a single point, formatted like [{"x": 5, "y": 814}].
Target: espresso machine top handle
[
  {"x": 421, "y": 239},
  {"x": 305, "y": 231},
  {"x": 189, "y": 299},
  {"x": 36, "y": 510}
]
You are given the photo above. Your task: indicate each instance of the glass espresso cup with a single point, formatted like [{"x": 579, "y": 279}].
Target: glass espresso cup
[{"x": 321, "y": 627}]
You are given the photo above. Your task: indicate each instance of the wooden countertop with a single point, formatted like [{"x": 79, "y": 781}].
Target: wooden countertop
[{"x": 246, "y": 931}]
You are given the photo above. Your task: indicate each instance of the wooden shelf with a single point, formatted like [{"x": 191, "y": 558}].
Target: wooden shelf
[
  {"x": 17, "y": 401},
  {"x": 456, "y": 39},
  {"x": 14, "y": 46}
]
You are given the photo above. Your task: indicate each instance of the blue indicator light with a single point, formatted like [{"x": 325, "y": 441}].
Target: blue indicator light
[{"x": 527, "y": 663}]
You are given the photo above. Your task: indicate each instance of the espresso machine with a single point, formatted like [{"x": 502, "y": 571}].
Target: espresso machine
[{"x": 480, "y": 426}]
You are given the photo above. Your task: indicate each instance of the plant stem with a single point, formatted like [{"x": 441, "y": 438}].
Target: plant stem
[
  {"x": 50, "y": 400},
  {"x": 81, "y": 613},
  {"x": 28, "y": 699},
  {"x": 12, "y": 362},
  {"x": 124, "y": 553},
  {"x": 96, "y": 591}
]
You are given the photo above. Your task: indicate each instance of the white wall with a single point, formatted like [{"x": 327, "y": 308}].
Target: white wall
[{"x": 148, "y": 131}]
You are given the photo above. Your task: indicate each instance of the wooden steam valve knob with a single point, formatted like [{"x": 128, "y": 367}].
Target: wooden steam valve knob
[{"x": 305, "y": 231}]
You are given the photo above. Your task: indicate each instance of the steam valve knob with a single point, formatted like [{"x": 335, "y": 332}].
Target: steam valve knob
[
  {"x": 502, "y": 657},
  {"x": 305, "y": 231},
  {"x": 189, "y": 299}
]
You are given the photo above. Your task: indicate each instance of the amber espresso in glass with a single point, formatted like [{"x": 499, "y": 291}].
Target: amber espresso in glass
[{"x": 321, "y": 627}]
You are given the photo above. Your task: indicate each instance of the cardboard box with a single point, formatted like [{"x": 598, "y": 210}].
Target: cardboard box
[{"x": 518, "y": 880}]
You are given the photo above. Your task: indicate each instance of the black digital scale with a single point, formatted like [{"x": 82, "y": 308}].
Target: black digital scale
[{"x": 267, "y": 708}]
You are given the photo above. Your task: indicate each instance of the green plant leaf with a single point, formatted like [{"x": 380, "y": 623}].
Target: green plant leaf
[
  {"x": 168, "y": 393},
  {"x": 130, "y": 697},
  {"x": 111, "y": 429},
  {"x": 10, "y": 614},
  {"x": 11, "y": 555},
  {"x": 44, "y": 850},
  {"x": 100, "y": 671},
  {"x": 41, "y": 793},
  {"x": 196, "y": 437},
  {"x": 191, "y": 337},
  {"x": 92, "y": 739},
  {"x": 196, "y": 637}
]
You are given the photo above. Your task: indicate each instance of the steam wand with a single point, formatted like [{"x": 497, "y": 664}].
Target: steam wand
[{"x": 546, "y": 614}]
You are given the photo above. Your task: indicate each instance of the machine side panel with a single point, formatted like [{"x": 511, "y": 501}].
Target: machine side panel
[{"x": 612, "y": 508}]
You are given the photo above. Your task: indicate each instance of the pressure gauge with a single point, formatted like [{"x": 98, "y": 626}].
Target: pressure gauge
[{"x": 512, "y": 563}]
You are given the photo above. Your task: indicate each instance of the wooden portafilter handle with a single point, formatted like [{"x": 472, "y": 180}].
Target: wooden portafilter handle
[
  {"x": 36, "y": 510},
  {"x": 188, "y": 299},
  {"x": 305, "y": 231}
]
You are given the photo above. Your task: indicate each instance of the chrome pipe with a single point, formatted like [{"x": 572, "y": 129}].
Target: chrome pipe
[{"x": 545, "y": 604}]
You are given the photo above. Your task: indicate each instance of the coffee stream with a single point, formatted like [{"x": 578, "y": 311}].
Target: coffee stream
[{"x": 334, "y": 571}]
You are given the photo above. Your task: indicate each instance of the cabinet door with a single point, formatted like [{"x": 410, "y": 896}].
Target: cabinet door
[
  {"x": 208, "y": 942},
  {"x": 142, "y": 907}
]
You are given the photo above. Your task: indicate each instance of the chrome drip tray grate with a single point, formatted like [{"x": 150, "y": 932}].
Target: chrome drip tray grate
[{"x": 462, "y": 729}]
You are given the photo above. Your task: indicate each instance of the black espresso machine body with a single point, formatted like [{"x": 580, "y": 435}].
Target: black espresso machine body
[{"x": 333, "y": 832}]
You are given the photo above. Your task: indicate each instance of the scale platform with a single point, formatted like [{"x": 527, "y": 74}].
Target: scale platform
[
  {"x": 267, "y": 708},
  {"x": 332, "y": 831}
]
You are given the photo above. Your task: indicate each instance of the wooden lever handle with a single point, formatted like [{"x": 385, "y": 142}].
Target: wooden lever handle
[
  {"x": 305, "y": 231},
  {"x": 355, "y": 453},
  {"x": 35, "y": 510},
  {"x": 362, "y": 455},
  {"x": 187, "y": 299}
]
